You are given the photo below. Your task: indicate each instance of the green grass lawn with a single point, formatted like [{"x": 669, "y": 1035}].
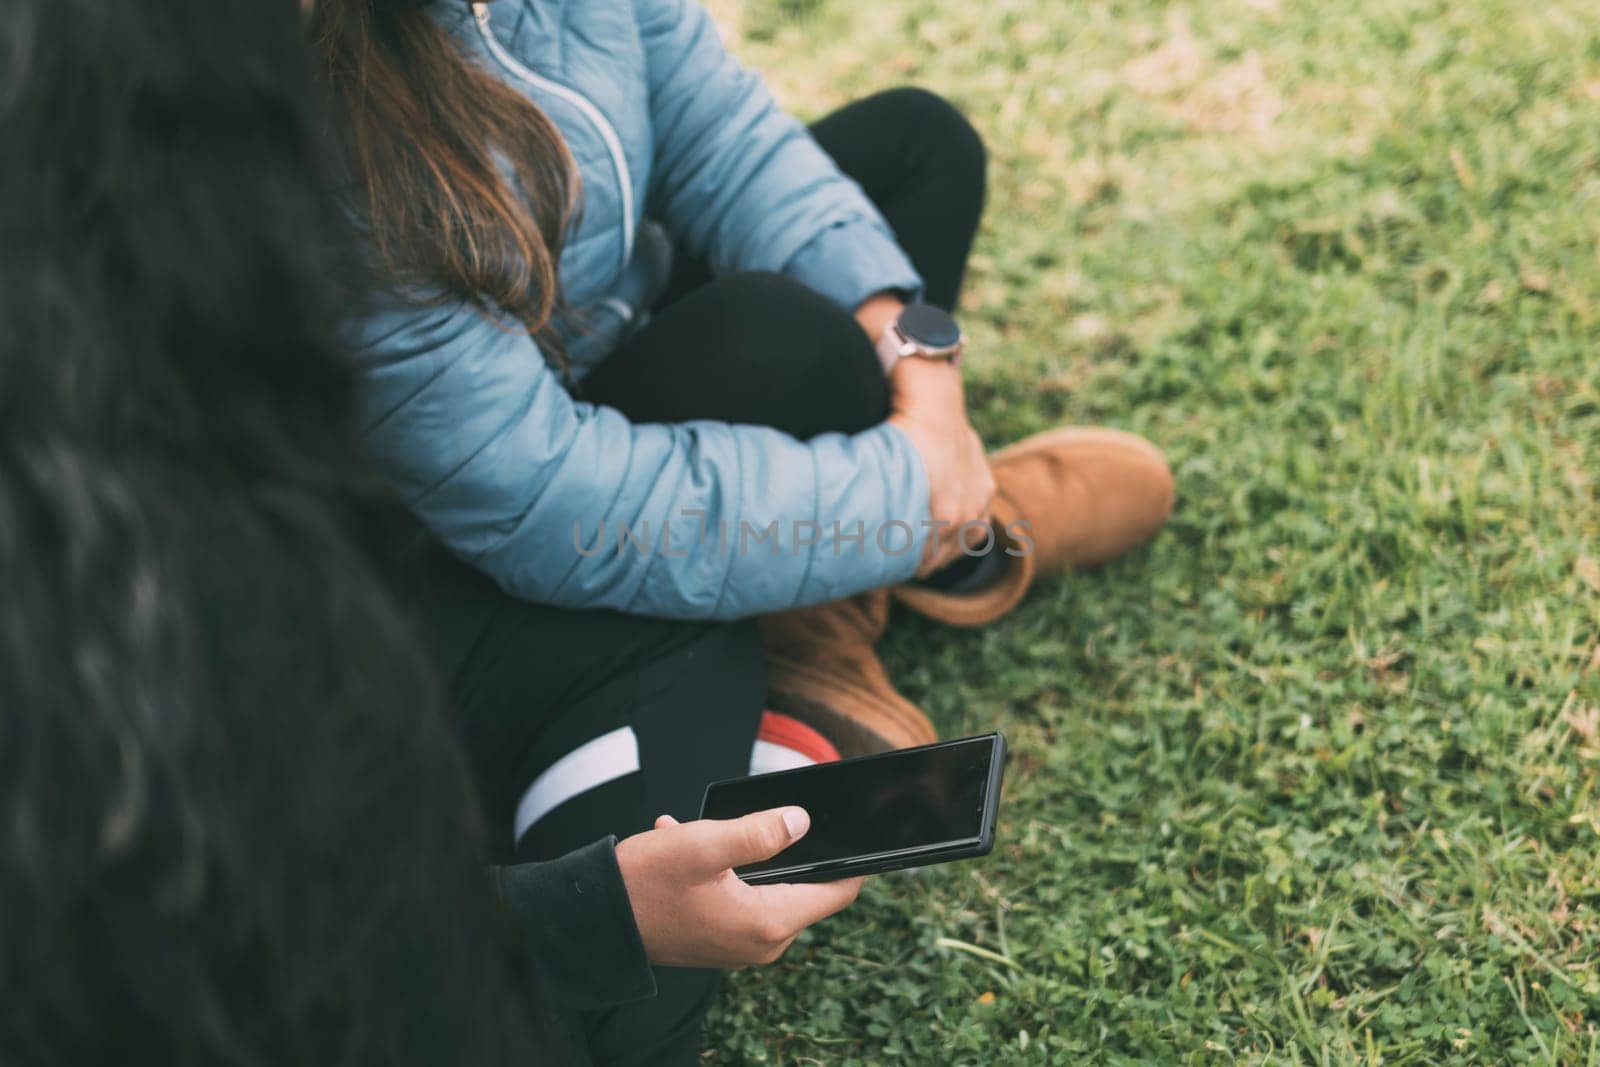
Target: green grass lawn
[{"x": 1315, "y": 778}]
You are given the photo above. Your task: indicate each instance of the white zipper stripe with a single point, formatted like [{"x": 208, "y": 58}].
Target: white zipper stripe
[{"x": 607, "y": 132}]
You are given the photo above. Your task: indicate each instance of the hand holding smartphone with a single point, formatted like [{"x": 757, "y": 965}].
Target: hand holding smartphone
[{"x": 909, "y": 808}]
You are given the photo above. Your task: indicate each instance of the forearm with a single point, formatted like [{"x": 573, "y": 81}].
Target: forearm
[{"x": 707, "y": 520}]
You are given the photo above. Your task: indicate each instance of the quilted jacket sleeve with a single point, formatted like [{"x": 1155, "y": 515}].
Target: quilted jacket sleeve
[
  {"x": 722, "y": 521},
  {"x": 741, "y": 183}
]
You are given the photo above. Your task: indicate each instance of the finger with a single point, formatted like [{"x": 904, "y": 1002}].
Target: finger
[
  {"x": 664, "y": 821},
  {"x": 796, "y": 907},
  {"x": 719, "y": 844}
]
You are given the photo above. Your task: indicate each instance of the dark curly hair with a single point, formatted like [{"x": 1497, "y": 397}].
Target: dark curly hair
[{"x": 233, "y": 827}]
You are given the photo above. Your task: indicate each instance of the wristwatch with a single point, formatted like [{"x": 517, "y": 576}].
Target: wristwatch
[{"x": 921, "y": 330}]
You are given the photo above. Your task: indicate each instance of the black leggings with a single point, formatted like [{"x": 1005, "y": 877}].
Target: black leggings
[
  {"x": 761, "y": 348},
  {"x": 532, "y": 683}
]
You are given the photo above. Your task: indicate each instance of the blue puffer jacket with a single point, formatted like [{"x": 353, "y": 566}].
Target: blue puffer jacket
[{"x": 671, "y": 135}]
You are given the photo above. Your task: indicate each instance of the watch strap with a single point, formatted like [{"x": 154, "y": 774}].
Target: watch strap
[{"x": 889, "y": 348}]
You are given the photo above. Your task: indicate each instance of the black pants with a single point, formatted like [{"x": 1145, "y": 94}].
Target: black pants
[{"x": 531, "y": 683}]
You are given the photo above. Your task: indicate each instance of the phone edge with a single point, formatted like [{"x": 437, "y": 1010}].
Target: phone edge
[
  {"x": 974, "y": 848},
  {"x": 1000, "y": 749}
]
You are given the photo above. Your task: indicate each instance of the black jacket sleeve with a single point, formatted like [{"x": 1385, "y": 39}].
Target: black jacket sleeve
[{"x": 579, "y": 928}]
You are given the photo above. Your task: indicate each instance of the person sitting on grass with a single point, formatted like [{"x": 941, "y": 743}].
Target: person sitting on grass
[{"x": 671, "y": 381}]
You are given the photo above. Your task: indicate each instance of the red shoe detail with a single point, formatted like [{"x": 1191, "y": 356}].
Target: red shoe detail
[{"x": 779, "y": 729}]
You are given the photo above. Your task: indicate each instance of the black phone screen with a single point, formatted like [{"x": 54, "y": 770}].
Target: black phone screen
[{"x": 860, "y": 807}]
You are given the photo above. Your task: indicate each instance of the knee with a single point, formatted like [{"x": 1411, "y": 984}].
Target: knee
[
  {"x": 788, "y": 313},
  {"x": 816, "y": 352},
  {"x": 767, "y": 296},
  {"x": 946, "y": 133},
  {"x": 780, "y": 300}
]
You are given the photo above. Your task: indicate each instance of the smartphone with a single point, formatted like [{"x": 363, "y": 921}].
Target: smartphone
[{"x": 908, "y": 808}]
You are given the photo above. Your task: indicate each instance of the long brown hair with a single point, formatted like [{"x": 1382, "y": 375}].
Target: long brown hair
[{"x": 426, "y": 135}]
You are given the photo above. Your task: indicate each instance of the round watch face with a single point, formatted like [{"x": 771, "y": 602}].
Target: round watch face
[{"x": 928, "y": 326}]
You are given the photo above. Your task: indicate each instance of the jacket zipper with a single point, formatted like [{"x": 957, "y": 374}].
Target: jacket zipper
[{"x": 607, "y": 132}]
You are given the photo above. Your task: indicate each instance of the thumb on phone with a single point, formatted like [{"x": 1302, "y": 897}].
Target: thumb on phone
[{"x": 723, "y": 843}]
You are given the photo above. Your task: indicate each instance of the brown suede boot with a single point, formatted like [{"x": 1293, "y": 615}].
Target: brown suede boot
[
  {"x": 1065, "y": 499},
  {"x": 822, "y": 670}
]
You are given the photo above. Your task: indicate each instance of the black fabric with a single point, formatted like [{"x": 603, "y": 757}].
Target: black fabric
[
  {"x": 694, "y": 712},
  {"x": 921, "y": 162},
  {"x": 752, "y": 348},
  {"x": 575, "y": 914},
  {"x": 529, "y": 682}
]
